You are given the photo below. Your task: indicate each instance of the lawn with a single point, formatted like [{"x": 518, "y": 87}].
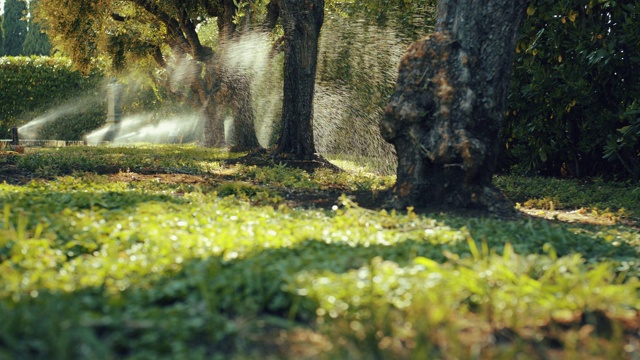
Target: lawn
[{"x": 182, "y": 252}]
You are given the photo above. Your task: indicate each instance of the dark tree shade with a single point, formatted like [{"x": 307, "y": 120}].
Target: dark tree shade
[
  {"x": 446, "y": 114},
  {"x": 15, "y": 28}
]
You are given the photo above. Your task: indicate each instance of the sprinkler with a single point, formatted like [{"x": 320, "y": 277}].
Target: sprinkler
[{"x": 15, "y": 139}]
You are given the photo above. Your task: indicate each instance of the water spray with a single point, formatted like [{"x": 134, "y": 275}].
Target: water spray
[{"x": 114, "y": 110}]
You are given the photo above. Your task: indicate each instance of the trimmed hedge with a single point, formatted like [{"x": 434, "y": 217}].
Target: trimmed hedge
[{"x": 49, "y": 88}]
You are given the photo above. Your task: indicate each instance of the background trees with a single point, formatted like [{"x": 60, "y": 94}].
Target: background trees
[
  {"x": 1, "y": 35},
  {"x": 27, "y": 37},
  {"x": 579, "y": 51},
  {"x": 36, "y": 42},
  {"x": 15, "y": 29}
]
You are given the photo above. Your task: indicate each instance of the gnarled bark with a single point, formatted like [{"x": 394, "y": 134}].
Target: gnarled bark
[{"x": 445, "y": 116}]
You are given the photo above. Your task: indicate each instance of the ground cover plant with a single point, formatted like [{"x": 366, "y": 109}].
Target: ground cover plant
[{"x": 182, "y": 252}]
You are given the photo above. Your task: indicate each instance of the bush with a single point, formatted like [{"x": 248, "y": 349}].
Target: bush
[
  {"x": 571, "y": 107},
  {"x": 67, "y": 103}
]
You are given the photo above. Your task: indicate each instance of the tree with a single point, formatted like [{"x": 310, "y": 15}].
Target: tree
[
  {"x": 15, "y": 28},
  {"x": 1, "y": 35},
  {"x": 165, "y": 32},
  {"x": 302, "y": 21},
  {"x": 36, "y": 42},
  {"x": 445, "y": 116}
]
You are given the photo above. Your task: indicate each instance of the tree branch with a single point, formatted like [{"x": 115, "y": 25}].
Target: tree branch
[
  {"x": 199, "y": 52},
  {"x": 273, "y": 13},
  {"x": 159, "y": 57},
  {"x": 177, "y": 38}
]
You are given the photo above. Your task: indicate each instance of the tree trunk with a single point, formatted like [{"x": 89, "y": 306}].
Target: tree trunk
[
  {"x": 230, "y": 92},
  {"x": 302, "y": 21},
  {"x": 214, "y": 123},
  {"x": 446, "y": 114},
  {"x": 230, "y": 98},
  {"x": 243, "y": 134}
]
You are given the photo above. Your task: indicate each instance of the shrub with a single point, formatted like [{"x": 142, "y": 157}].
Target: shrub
[
  {"x": 572, "y": 109},
  {"x": 47, "y": 88}
]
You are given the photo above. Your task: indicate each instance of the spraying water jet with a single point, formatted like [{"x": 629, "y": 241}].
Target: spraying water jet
[{"x": 114, "y": 110}]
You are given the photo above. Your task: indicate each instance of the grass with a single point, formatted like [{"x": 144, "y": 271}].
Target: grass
[{"x": 170, "y": 252}]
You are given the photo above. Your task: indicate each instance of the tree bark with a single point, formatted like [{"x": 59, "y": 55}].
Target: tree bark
[
  {"x": 232, "y": 92},
  {"x": 230, "y": 96},
  {"x": 214, "y": 122},
  {"x": 243, "y": 134},
  {"x": 446, "y": 114},
  {"x": 302, "y": 21}
]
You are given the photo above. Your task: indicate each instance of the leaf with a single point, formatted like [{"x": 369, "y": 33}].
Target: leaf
[
  {"x": 426, "y": 262},
  {"x": 543, "y": 155},
  {"x": 531, "y": 10},
  {"x": 573, "y": 15}
]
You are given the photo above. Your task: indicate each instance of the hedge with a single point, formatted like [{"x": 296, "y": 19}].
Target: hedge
[{"x": 49, "y": 88}]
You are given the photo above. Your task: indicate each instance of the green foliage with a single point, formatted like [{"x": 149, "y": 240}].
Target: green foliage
[
  {"x": 47, "y": 88},
  {"x": 507, "y": 292},
  {"x": 573, "y": 104},
  {"x": 15, "y": 28},
  {"x": 622, "y": 147},
  {"x": 137, "y": 266}
]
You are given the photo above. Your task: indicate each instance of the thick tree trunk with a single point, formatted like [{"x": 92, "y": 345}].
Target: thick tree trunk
[
  {"x": 445, "y": 116},
  {"x": 302, "y": 21}
]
